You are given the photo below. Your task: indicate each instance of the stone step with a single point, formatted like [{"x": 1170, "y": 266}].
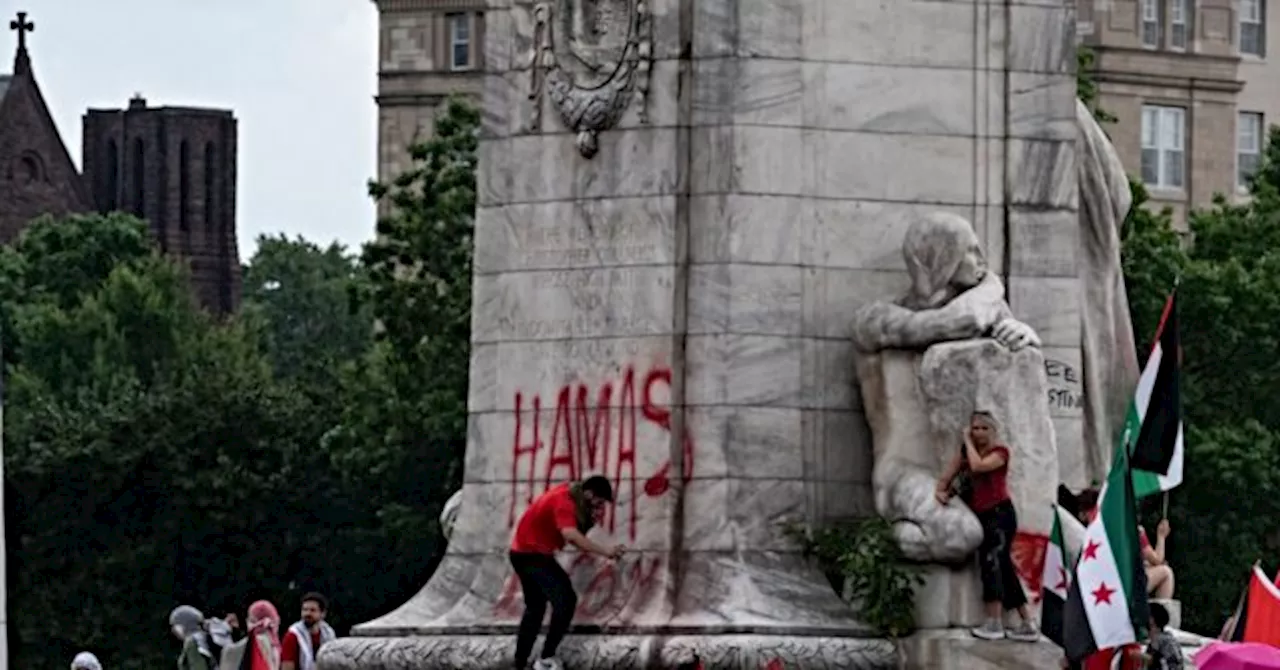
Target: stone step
[{"x": 1175, "y": 611}]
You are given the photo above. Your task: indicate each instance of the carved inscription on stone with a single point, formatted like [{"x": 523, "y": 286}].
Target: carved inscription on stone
[
  {"x": 576, "y": 303},
  {"x": 605, "y": 243}
]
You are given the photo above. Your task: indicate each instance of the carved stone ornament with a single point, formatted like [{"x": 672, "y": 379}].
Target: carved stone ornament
[
  {"x": 617, "y": 652},
  {"x": 591, "y": 57}
]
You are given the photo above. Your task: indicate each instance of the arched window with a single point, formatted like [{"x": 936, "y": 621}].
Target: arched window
[
  {"x": 210, "y": 187},
  {"x": 139, "y": 179},
  {"x": 30, "y": 168},
  {"x": 111, "y": 196},
  {"x": 184, "y": 186}
]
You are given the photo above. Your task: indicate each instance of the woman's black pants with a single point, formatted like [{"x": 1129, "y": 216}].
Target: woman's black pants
[{"x": 999, "y": 578}]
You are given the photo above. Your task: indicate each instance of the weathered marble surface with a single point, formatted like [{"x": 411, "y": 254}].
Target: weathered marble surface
[
  {"x": 917, "y": 405},
  {"x": 616, "y": 652},
  {"x": 976, "y": 356},
  {"x": 674, "y": 311},
  {"x": 1108, "y": 351},
  {"x": 958, "y": 650}
]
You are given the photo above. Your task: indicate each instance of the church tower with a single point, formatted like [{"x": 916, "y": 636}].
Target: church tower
[{"x": 176, "y": 168}]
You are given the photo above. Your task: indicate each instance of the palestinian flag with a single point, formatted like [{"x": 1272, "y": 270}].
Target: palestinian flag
[
  {"x": 1053, "y": 594},
  {"x": 1153, "y": 425},
  {"x": 1258, "y": 617},
  {"x": 1107, "y": 598}
]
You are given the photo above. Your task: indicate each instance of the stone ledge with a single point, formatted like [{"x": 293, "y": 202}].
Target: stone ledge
[
  {"x": 611, "y": 652},
  {"x": 956, "y": 649}
]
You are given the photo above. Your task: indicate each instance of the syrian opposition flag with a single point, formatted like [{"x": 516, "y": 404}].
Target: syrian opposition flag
[
  {"x": 1107, "y": 598},
  {"x": 1153, "y": 425},
  {"x": 1053, "y": 594}
]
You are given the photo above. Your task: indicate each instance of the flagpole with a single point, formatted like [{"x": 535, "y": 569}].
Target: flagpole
[
  {"x": 1164, "y": 505},
  {"x": 1235, "y": 617}
]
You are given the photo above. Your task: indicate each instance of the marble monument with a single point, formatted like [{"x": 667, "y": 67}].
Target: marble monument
[
  {"x": 948, "y": 347},
  {"x": 681, "y": 205}
]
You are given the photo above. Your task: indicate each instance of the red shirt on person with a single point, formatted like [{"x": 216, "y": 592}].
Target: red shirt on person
[
  {"x": 991, "y": 488},
  {"x": 538, "y": 531},
  {"x": 289, "y": 651}
]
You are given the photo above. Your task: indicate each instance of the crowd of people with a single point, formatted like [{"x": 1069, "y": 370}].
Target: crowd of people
[{"x": 221, "y": 644}]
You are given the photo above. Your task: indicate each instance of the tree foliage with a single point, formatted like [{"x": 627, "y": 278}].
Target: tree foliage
[
  {"x": 304, "y": 299},
  {"x": 1229, "y": 293},
  {"x": 420, "y": 292},
  {"x": 156, "y": 455}
]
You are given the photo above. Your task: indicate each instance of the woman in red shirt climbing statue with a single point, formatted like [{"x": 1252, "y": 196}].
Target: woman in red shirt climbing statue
[
  {"x": 563, "y": 514},
  {"x": 984, "y": 462}
]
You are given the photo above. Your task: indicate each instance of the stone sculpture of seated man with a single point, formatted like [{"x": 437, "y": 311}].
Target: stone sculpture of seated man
[{"x": 952, "y": 298}]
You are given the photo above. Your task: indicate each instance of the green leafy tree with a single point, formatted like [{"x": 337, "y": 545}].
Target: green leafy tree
[
  {"x": 150, "y": 458},
  {"x": 302, "y": 297},
  {"x": 404, "y": 425},
  {"x": 1229, "y": 294},
  {"x": 1087, "y": 84}
]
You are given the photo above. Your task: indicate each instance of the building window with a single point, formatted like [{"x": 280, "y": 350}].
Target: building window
[
  {"x": 459, "y": 41},
  {"x": 1178, "y": 18},
  {"x": 1248, "y": 147},
  {"x": 1151, "y": 23},
  {"x": 184, "y": 186},
  {"x": 29, "y": 169},
  {"x": 1253, "y": 34},
  {"x": 210, "y": 187},
  {"x": 139, "y": 179},
  {"x": 1163, "y": 155},
  {"x": 113, "y": 177}
]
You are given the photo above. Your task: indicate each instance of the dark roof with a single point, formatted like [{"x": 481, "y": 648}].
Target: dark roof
[{"x": 4, "y": 84}]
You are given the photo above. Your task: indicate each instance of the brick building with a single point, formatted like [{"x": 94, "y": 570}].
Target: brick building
[
  {"x": 37, "y": 175},
  {"x": 173, "y": 166},
  {"x": 427, "y": 50},
  {"x": 176, "y": 168},
  {"x": 1194, "y": 88}
]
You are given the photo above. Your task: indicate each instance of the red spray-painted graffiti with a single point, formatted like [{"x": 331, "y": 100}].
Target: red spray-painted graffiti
[
  {"x": 598, "y": 437},
  {"x": 606, "y": 590},
  {"x": 1028, "y": 553}
]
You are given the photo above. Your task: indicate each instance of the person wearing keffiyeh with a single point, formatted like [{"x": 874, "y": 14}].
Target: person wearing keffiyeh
[
  {"x": 85, "y": 661},
  {"x": 262, "y": 650}
]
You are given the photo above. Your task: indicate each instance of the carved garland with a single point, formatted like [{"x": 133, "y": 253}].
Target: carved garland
[{"x": 589, "y": 110}]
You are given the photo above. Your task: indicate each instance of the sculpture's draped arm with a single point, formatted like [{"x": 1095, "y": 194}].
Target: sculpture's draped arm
[{"x": 884, "y": 325}]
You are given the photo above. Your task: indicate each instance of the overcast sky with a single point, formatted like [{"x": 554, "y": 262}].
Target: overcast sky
[{"x": 299, "y": 74}]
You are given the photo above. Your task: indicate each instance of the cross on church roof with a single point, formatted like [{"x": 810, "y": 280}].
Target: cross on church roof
[{"x": 23, "y": 26}]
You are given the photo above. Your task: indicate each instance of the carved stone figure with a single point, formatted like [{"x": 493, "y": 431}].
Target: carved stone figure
[
  {"x": 952, "y": 295},
  {"x": 946, "y": 348},
  {"x": 592, "y": 57},
  {"x": 1110, "y": 358}
]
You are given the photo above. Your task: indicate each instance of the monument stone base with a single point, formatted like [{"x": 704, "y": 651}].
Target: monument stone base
[
  {"x": 956, "y": 649},
  {"x": 614, "y": 651},
  {"x": 951, "y": 597}
]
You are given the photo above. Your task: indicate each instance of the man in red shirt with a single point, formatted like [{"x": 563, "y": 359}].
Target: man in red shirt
[
  {"x": 303, "y": 640},
  {"x": 563, "y": 514}
]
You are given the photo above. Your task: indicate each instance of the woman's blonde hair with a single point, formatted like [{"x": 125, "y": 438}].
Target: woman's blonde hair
[{"x": 987, "y": 418}]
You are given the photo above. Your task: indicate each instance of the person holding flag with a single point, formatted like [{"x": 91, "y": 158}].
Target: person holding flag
[
  {"x": 1106, "y": 605},
  {"x": 1107, "y": 611},
  {"x": 1153, "y": 435}
]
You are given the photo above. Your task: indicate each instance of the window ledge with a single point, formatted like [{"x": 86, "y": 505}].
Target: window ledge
[{"x": 1171, "y": 193}]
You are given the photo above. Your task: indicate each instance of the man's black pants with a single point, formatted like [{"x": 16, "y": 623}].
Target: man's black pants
[{"x": 543, "y": 581}]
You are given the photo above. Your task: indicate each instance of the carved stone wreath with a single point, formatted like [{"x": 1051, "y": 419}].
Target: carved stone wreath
[
  {"x": 591, "y": 67},
  {"x": 616, "y": 652}
]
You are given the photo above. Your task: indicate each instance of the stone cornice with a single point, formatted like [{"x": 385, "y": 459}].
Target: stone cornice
[
  {"x": 1149, "y": 79},
  {"x": 393, "y": 6}
]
